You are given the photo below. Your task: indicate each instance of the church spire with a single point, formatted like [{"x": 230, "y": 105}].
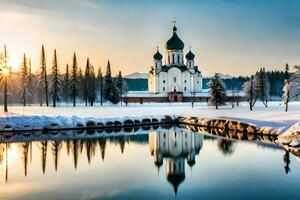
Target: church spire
[{"x": 174, "y": 25}]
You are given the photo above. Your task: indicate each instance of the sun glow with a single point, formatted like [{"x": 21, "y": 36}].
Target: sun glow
[{"x": 5, "y": 72}]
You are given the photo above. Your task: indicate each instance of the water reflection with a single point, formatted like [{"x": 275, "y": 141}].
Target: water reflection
[
  {"x": 175, "y": 147},
  {"x": 171, "y": 148}
]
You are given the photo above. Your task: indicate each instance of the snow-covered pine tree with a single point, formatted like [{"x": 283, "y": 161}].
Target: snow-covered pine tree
[
  {"x": 100, "y": 83},
  {"x": 263, "y": 86},
  {"x": 43, "y": 80},
  {"x": 250, "y": 92},
  {"x": 86, "y": 81},
  {"x": 74, "y": 81},
  {"x": 56, "y": 84},
  {"x": 24, "y": 80},
  {"x": 292, "y": 88},
  {"x": 217, "y": 90},
  {"x": 66, "y": 85}
]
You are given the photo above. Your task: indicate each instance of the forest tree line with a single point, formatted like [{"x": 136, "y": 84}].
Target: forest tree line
[{"x": 52, "y": 85}]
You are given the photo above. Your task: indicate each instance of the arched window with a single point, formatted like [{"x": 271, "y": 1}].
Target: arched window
[
  {"x": 173, "y": 58},
  {"x": 164, "y": 89},
  {"x": 168, "y": 58},
  {"x": 174, "y": 79},
  {"x": 184, "y": 88},
  {"x": 178, "y": 58}
]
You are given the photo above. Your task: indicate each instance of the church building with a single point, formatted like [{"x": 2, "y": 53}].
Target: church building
[
  {"x": 173, "y": 77},
  {"x": 179, "y": 74}
]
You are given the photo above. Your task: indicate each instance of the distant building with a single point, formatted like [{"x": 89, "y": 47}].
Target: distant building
[{"x": 175, "y": 147}]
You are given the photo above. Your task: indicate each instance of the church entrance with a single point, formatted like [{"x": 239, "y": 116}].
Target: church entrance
[{"x": 175, "y": 96}]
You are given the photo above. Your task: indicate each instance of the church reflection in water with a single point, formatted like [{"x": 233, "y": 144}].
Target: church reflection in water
[{"x": 175, "y": 147}]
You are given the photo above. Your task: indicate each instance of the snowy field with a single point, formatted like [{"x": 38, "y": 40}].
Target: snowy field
[{"x": 274, "y": 112}]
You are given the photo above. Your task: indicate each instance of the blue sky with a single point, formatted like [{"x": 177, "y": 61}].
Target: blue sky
[{"x": 229, "y": 36}]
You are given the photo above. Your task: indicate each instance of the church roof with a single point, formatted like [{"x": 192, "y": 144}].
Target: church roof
[
  {"x": 175, "y": 180},
  {"x": 174, "y": 43},
  {"x": 190, "y": 55},
  {"x": 157, "y": 56}
]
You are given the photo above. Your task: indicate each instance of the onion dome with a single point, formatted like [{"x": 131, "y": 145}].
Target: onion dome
[
  {"x": 175, "y": 180},
  {"x": 174, "y": 43},
  {"x": 157, "y": 56},
  {"x": 190, "y": 55}
]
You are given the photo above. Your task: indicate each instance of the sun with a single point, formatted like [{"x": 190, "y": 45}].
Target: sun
[{"x": 5, "y": 72}]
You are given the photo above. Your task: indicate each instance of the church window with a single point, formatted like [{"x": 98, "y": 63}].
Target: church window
[
  {"x": 184, "y": 81},
  {"x": 164, "y": 81},
  {"x": 184, "y": 88},
  {"x": 174, "y": 79},
  {"x": 164, "y": 135},
  {"x": 178, "y": 58},
  {"x": 168, "y": 58},
  {"x": 164, "y": 88},
  {"x": 175, "y": 144},
  {"x": 197, "y": 82},
  {"x": 173, "y": 58}
]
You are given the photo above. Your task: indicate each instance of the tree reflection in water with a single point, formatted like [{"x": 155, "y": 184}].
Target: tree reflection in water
[
  {"x": 174, "y": 148},
  {"x": 226, "y": 146}
]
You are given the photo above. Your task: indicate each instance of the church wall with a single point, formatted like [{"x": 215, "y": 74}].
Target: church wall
[
  {"x": 186, "y": 81},
  {"x": 174, "y": 80},
  {"x": 163, "y": 82},
  {"x": 151, "y": 83}
]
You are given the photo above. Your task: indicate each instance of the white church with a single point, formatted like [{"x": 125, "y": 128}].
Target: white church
[
  {"x": 178, "y": 74},
  {"x": 173, "y": 77}
]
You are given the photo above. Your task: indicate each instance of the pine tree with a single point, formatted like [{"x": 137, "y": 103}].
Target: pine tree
[
  {"x": 80, "y": 84},
  {"x": 43, "y": 76},
  {"x": 30, "y": 82},
  {"x": 100, "y": 82},
  {"x": 66, "y": 84},
  {"x": 108, "y": 82},
  {"x": 263, "y": 86},
  {"x": 111, "y": 92},
  {"x": 119, "y": 84},
  {"x": 5, "y": 70},
  {"x": 56, "y": 88},
  {"x": 74, "y": 81},
  {"x": 217, "y": 91},
  {"x": 286, "y": 72},
  {"x": 24, "y": 82},
  {"x": 92, "y": 86},
  {"x": 86, "y": 81}
]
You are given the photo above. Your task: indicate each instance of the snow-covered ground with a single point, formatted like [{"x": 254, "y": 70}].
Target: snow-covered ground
[
  {"x": 36, "y": 117},
  {"x": 274, "y": 112}
]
